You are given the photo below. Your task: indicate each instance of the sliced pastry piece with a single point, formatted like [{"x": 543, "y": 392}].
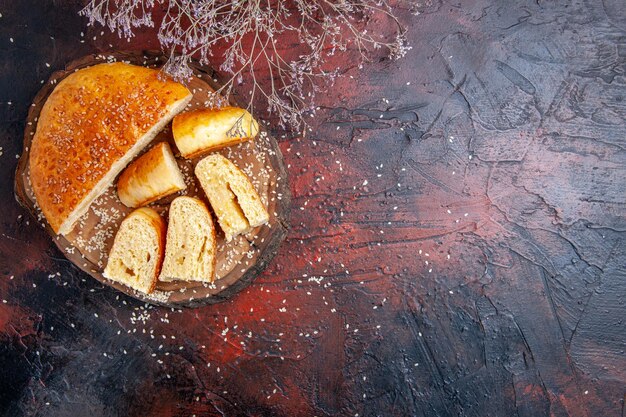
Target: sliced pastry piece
[
  {"x": 150, "y": 177},
  {"x": 191, "y": 246},
  {"x": 93, "y": 124},
  {"x": 137, "y": 253},
  {"x": 234, "y": 200},
  {"x": 205, "y": 130}
]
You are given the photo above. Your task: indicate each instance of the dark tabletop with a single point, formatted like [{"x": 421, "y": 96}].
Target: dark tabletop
[{"x": 457, "y": 241}]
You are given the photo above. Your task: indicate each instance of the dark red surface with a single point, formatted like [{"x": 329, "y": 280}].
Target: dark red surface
[{"x": 457, "y": 243}]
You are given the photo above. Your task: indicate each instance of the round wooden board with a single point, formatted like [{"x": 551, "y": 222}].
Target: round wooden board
[{"x": 238, "y": 261}]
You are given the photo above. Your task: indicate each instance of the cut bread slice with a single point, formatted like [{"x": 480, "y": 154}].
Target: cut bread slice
[
  {"x": 137, "y": 253},
  {"x": 190, "y": 249},
  {"x": 93, "y": 124},
  {"x": 206, "y": 130},
  {"x": 232, "y": 196},
  {"x": 150, "y": 177}
]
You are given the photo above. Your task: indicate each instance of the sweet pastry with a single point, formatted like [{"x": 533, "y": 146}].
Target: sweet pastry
[
  {"x": 137, "y": 252},
  {"x": 190, "y": 245},
  {"x": 150, "y": 177},
  {"x": 206, "y": 130},
  {"x": 232, "y": 196},
  {"x": 93, "y": 124}
]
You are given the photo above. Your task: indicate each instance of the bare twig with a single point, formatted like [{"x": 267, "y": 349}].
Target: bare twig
[{"x": 252, "y": 31}]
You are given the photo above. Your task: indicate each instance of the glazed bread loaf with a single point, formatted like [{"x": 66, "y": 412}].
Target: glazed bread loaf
[
  {"x": 190, "y": 249},
  {"x": 206, "y": 130},
  {"x": 232, "y": 196},
  {"x": 137, "y": 252},
  {"x": 150, "y": 177},
  {"x": 92, "y": 125}
]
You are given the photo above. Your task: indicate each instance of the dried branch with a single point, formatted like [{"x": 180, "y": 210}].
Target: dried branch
[{"x": 247, "y": 34}]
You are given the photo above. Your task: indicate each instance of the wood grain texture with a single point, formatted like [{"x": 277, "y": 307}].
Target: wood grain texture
[{"x": 457, "y": 242}]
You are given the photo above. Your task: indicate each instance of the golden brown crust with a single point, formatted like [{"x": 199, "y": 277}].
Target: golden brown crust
[
  {"x": 206, "y": 130},
  {"x": 91, "y": 120},
  {"x": 142, "y": 164},
  {"x": 159, "y": 196},
  {"x": 216, "y": 148},
  {"x": 146, "y": 175}
]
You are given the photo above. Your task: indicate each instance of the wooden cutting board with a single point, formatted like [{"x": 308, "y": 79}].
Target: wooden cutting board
[{"x": 238, "y": 261}]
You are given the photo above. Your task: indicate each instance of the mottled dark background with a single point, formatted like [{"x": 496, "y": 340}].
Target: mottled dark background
[{"x": 457, "y": 243}]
